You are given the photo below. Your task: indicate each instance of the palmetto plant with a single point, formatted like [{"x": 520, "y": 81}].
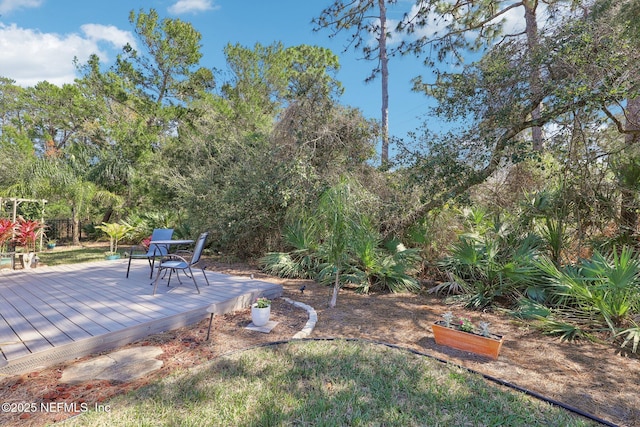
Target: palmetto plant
[
  {"x": 598, "y": 294},
  {"x": 302, "y": 261},
  {"x": 374, "y": 266},
  {"x": 495, "y": 265},
  {"x": 631, "y": 336},
  {"x": 144, "y": 224},
  {"x": 321, "y": 238}
]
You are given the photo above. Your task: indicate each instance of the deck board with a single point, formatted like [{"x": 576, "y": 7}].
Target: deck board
[
  {"x": 46, "y": 333},
  {"x": 52, "y": 314}
]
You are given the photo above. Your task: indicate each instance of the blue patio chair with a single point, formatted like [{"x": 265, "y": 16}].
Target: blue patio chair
[
  {"x": 154, "y": 251},
  {"x": 176, "y": 262}
]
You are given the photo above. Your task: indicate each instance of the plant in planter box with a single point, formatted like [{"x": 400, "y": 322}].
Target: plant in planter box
[
  {"x": 261, "y": 311},
  {"x": 466, "y": 325},
  {"x": 461, "y": 334}
]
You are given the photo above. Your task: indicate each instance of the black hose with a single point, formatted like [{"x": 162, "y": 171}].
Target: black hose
[{"x": 419, "y": 353}]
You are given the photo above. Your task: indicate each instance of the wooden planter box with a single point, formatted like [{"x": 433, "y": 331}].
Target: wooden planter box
[{"x": 466, "y": 341}]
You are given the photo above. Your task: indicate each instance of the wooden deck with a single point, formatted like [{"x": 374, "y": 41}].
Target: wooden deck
[{"x": 50, "y": 315}]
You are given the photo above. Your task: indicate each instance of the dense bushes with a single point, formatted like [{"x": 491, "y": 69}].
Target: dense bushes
[
  {"x": 492, "y": 265},
  {"x": 336, "y": 242}
]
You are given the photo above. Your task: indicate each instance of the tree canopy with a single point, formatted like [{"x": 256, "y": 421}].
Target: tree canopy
[{"x": 239, "y": 153}]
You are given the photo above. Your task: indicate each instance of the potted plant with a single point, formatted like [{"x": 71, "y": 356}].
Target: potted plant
[
  {"x": 461, "y": 334},
  {"x": 116, "y": 231},
  {"x": 260, "y": 311},
  {"x": 51, "y": 243},
  {"x": 27, "y": 234}
]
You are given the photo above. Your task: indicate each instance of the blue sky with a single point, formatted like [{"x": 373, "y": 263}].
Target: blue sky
[{"x": 39, "y": 39}]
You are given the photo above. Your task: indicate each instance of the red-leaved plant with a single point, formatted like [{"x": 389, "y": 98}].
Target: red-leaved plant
[
  {"x": 146, "y": 242},
  {"x": 27, "y": 233},
  {"x": 6, "y": 232}
]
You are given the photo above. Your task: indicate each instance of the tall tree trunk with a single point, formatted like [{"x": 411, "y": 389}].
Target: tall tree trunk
[
  {"x": 384, "y": 70},
  {"x": 531, "y": 30},
  {"x": 75, "y": 226}
]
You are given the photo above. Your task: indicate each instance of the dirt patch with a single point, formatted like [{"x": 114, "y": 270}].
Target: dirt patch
[{"x": 594, "y": 378}]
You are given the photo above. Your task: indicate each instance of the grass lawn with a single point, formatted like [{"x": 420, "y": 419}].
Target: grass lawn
[
  {"x": 72, "y": 256},
  {"x": 327, "y": 383}
]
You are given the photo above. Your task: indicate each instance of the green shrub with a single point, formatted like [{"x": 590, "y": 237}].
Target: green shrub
[
  {"x": 350, "y": 251},
  {"x": 490, "y": 269},
  {"x": 598, "y": 294}
]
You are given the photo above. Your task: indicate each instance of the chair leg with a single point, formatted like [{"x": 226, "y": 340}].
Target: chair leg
[
  {"x": 205, "y": 276},
  {"x": 194, "y": 280},
  {"x": 151, "y": 263},
  {"x": 129, "y": 265},
  {"x": 178, "y": 275},
  {"x": 155, "y": 284}
]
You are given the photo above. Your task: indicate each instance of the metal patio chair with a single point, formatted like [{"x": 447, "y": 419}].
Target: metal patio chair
[
  {"x": 176, "y": 263},
  {"x": 154, "y": 251}
]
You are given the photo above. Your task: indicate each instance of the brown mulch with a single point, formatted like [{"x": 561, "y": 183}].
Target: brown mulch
[{"x": 594, "y": 378}]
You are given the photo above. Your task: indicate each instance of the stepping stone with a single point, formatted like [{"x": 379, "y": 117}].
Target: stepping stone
[
  {"x": 120, "y": 366},
  {"x": 264, "y": 329}
]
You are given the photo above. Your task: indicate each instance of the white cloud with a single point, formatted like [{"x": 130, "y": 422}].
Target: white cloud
[
  {"x": 7, "y": 6},
  {"x": 29, "y": 56},
  {"x": 192, "y": 6},
  {"x": 108, "y": 33}
]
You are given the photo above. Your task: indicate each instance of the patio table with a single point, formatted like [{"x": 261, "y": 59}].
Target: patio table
[{"x": 168, "y": 243}]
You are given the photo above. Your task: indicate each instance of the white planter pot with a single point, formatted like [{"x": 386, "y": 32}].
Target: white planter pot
[
  {"x": 260, "y": 316},
  {"x": 27, "y": 259}
]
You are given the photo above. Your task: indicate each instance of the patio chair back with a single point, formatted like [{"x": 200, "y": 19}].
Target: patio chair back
[
  {"x": 197, "y": 250},
  {"x": 154, "y": 251},
  {"x": 159, "y": 234}
]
